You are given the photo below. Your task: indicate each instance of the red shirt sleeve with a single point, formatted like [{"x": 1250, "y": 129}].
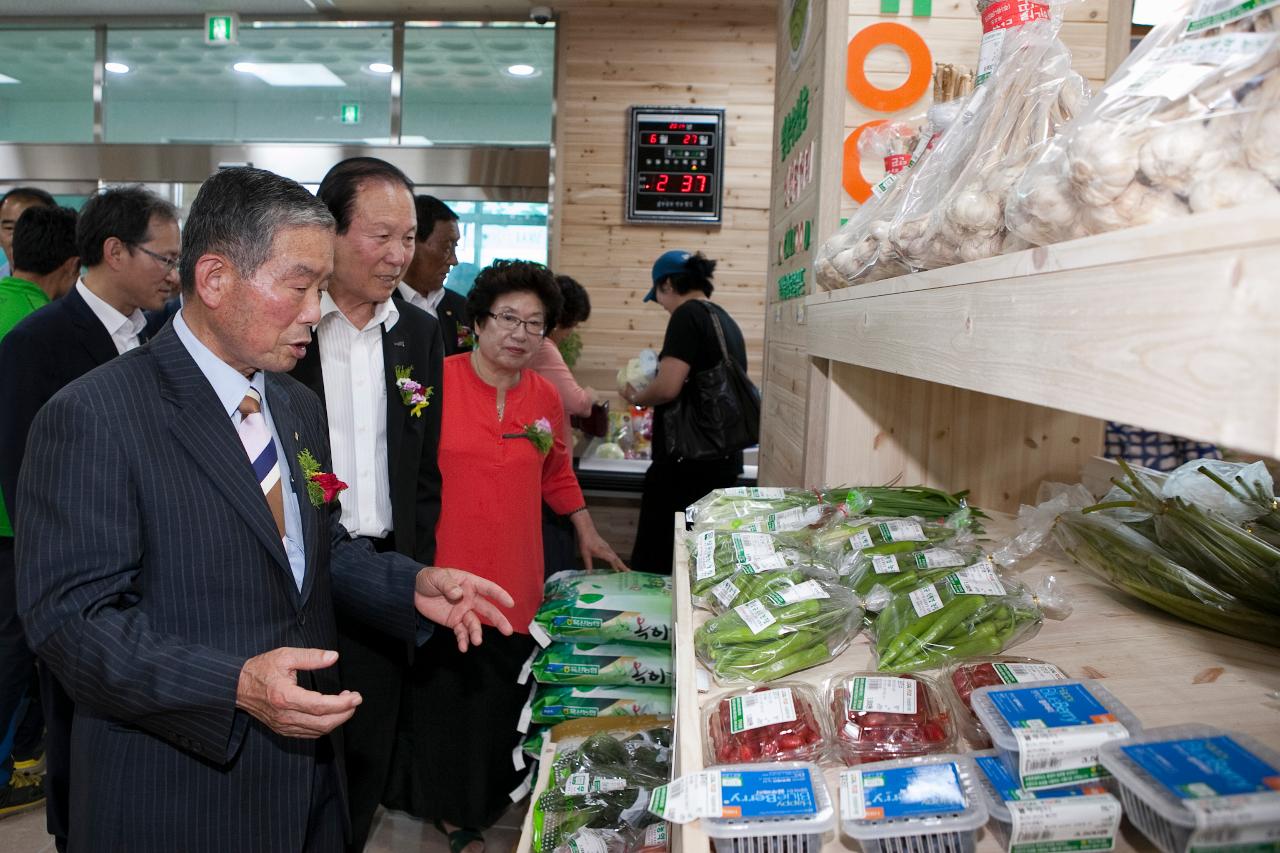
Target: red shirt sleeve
[{"x": 560, "y": 487}]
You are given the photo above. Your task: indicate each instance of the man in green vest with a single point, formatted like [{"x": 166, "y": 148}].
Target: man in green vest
[{"x": 45, "y": 266}]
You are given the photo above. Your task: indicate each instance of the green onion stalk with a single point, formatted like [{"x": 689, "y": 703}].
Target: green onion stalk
[
  {"x": 1221, "y": 553},
  {"x": 1126, "y": 559},
  {"x": 1266, "y": 525}
]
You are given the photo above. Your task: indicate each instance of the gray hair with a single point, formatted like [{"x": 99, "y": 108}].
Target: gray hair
[{"x": 237, "y": 214}]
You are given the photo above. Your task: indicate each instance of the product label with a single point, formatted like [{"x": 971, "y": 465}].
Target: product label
[
  {"x": 765, "y": 494},
  {"x": 574, "y": 668},
  {"x": 748, "y": 547},
  {"x": 725, "y": 592},
  {"x": 884, "y": 184},
  {"x": 1059, "y": 731},
  {"x": 1008, "y": 789},
  {"x": 706, "y": 555},
  {"x": 755, "y": 615},
  {"x": 656, "y": 835},
  {"x": 978, "y": 579},
  {"x": 930, "y": 789},
  {"x": 925, "y": 600},
  {"x": 1070, "y": 824},
  {"x": 938, "y": 558},
  {"x": 688, "y": 798},
  {"x": 1200, "y": 768},
  {"x": 807, "y": 591},
  {"x": 861, "y": 540},
  {"x": 1251, "y": 821},
  {"x": 884, "y": 694},
  {"x": 588, "y": 841},
  {"x": 767, "y": 794},
  {"x": 901, "y": 530},
  {"x": 885, "y": 565},
  {"x": 1006, "y": 14},
  {"x": 771, "y": 563},
  {"x": 1174, "y": 71},
  {"x": 1020, "y": 673},
  {"x": 585, "y": 783},
  {"x": 1215, "y": 13},
  {"x": 539, "y": 634},
  {"x": 765, "y": 708},
  {"x": 793, "y": 519},
  {"x": 895, "y": 163}
]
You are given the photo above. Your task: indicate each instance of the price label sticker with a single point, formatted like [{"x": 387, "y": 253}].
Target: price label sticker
[
  {"x": 1232, "y": 821},
  {"x": 925, "y": 600},
  {"x": 725, "y": 592},
  {"x": 938, "y": 558},
  {"x": 756, "y": 615},
  {"x": 885, "y": 565},
  {"x": 1048, "y": 758},
  {"x": 753, "y": 493},
  {"x": 688, "y": 798},
  {"x": 883, "y": 694},
  {"x": 772, "y": 563},
  {"x": 706, "y": 555},
  {"x": 577, "y": 784},
  {"x": 860, "y": 540},
  {"x": 978, "y": 579},
  {"x": 901, "y": 530},
  {"x": 807, "y": 591},
  {"x": 749, "y": 547},
  {"x": 1062, "y": 825},
  {"x": 1021, "y": 673},
  {"x": 766, "y": 708}
]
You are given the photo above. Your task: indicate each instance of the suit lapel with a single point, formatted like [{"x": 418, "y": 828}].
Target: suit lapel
[
  {"x": 287, "y": 425},
  {"x": 94, "y": 336},
  {"x": 208, "y": 435}
]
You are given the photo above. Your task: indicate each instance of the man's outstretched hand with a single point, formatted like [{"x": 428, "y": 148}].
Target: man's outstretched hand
[
  {"x": 461, "y": 601},
  {"x": 269, "y": 690}
]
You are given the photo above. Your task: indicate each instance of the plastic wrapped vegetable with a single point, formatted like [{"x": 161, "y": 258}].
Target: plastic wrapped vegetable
[
  {"x": 715, "y": 556},
  {"x": 776, "y": 723},
  {"x": 595, "y": 841},
  {"x": 603, "y": 607},
  {"x": 639, "y": 371},
  {"x": 953, "y": 210},
  {"x": 878, "y": 717},
  {"x": 963, "y": 678},
  {"x": 656, "y": 839},
  {"x": 784, "y": 632},
  {"x": 770, "y": 510},
  {"x": 744, "y": 585},
  {"x": 1180, "y": 127},
  {"x": 608, "y": 664},
  {"x": 895, "y": 573},
  {"x": 843, "y": 544},
  {"x": 969, "y": 613},
  {"x": 555, "y": 703}
]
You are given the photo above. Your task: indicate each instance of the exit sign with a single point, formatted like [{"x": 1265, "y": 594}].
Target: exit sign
[
  {"x": 350, "y": 113},
  {"x": 221, "y": 29}
]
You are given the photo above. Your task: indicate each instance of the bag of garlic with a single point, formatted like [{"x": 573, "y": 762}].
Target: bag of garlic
[
  {"x": 859, "y": 252},
  {"x": 953, "y": 210},
  {"x": 1190, "y": 122}
]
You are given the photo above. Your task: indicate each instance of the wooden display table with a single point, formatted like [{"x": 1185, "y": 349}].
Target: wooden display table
[{"x": 1166, "y": 671}]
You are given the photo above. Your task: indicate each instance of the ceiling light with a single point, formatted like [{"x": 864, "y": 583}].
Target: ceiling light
[
  {"x": 117, "y": 67},
  {"x": 5, "y": 78},
  {"x": 381, "y": 68},
  {"x": 521, "y": 70},
  {"x": 310, "y": 74}
]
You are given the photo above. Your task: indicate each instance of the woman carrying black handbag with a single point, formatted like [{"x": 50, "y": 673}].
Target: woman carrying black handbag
[{"x": 705, "y": 408}]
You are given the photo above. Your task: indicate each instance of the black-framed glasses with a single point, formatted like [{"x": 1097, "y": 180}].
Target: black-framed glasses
[
  {"x": 170, "y": 264},
  {"x": 509, "y": 323}
]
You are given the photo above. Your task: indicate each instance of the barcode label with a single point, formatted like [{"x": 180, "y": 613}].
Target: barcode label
[
  {"x": 1063, "y": 755},
  {"x": 901, "y": 530},
  {"x": 725, "y": 592},
  {"x": 756, "y": 616},
  {"x": 925, "y": 600},
  {"x": 748, "y": 547},
  {"x": 883, "y": 565},
  {"x": 1235, "y": 820},
  {"x": 706, "y": 558},
  {"x": 765, "y": 564},
  {"x": 1064, "y": 824},
  {"x": 806, "y": 591}
]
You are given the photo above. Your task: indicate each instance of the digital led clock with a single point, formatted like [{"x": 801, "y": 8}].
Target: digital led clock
[{"x": 675, "y": 159}]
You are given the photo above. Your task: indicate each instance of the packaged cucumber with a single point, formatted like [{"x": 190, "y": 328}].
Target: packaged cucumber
[
  {"x": 782, "y": 632},
  {"x": 637, "y": 664},
  {"x": 897, "y": 572},
  {"x": 605, "y": 607},
  {"x": 555, "y": 703},
  {"x": 969, "y": 613}
]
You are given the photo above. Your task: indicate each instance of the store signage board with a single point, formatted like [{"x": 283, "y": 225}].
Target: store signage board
[
  {"x": 221, "y": 28},
  {"x": 675, "y": 165}
]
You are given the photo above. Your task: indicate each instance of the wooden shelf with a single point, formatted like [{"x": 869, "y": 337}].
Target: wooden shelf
[
  {"x": 1174, "y": 327},
  {"x": 1165, "y": 670}
]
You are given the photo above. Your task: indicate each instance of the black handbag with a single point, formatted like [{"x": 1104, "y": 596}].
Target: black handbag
[{"x": 717, "y": 412}]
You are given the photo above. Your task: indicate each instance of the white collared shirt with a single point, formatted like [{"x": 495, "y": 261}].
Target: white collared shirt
[
  {"x": 124, "y": 330},
  {"x": 355, "y": 390},
  {"x": 429, "y": 303}
]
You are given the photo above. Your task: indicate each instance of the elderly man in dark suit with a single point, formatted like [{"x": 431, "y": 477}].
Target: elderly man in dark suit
[
  {"x": 435, "y": 253},
  {"x": 384, "y": 443},
  {"x": 128, "y": 242},
  {"x": 180, "y": 555}
]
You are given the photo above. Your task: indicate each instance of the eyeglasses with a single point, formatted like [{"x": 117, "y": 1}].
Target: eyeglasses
[
  {"x": 170, "y": 264},
  {"x": 509, "y": 323}
]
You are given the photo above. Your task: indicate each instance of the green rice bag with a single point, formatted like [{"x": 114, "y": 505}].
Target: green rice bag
[
  {"x": 637, "y": 664},
  {"x": 555, "y": 703},
  {"x": 605, "y": 607}
]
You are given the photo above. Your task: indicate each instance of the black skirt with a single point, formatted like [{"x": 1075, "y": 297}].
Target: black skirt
[
  {"x": 669, "y": 487},
  {"x": 453, "y": 755}
]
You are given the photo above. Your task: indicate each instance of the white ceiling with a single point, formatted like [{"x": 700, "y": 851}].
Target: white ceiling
[{"x": 426, "y": 9}]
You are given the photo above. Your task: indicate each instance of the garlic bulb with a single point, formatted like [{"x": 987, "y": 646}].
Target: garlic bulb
[
  {"x": 1138, "y": 205},
  {"x": 976, "y": 211},
  {"x": 977, "y": 246},
  {"x": 1045, "y": 212},
  {"x": 1262, "y": 143},
  {"x": 1228, "y": 187},
  {"x": 1103, "y": 160}
]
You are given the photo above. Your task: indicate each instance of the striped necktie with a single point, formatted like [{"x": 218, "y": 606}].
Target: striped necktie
[{"x": 261, "y": 449}]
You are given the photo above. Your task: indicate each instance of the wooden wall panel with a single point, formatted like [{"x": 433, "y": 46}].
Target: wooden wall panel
[{"x": 630, "y": 52}]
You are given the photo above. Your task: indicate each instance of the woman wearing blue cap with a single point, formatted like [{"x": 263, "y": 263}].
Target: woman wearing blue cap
[{"x": 682, "y": 285}]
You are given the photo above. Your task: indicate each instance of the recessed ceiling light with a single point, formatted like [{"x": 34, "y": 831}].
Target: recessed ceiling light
[
  {"x": 521, "y": 70},
  {"x": 5, "y": 78},
  {"x": 381, "y": 68},
  {"x": 117, "y": 67},
  {"x": 311, "y": 74}
]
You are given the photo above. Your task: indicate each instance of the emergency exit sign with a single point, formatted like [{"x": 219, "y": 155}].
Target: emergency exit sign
[
  {"x": 350, "y": 113},
  {"x": 221, "y": 29}
]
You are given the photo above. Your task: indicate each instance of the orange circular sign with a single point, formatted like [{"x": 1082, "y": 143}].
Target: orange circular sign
[
  {"x": 918, "y": 57},
  {"x": 854, "y": 184}
]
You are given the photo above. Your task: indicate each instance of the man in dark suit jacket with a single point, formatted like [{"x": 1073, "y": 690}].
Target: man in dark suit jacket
[
  {"x": 128, "y": 242},
  {"x": 383, "y": 444},
  {"x": 183, "y": 592},
  {"x": 435, "y": 253}
]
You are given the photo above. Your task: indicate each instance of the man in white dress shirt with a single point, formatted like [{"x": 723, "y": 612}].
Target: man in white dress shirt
[
  {"x": 368, "y": 349},
  {"x": 129, "y": 244}
]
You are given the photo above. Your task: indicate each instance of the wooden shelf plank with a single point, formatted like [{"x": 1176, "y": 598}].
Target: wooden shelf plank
[{"x": 1174, "y": 327}]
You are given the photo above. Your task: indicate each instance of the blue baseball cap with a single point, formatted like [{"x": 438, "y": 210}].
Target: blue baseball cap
[{"x": 667, "y": 264}]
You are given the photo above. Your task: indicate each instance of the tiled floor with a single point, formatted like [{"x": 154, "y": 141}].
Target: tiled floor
[{"x": 392, "y": 831}]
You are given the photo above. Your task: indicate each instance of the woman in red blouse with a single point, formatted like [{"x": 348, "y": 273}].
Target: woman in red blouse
[{"x": 501, "y": 454}]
